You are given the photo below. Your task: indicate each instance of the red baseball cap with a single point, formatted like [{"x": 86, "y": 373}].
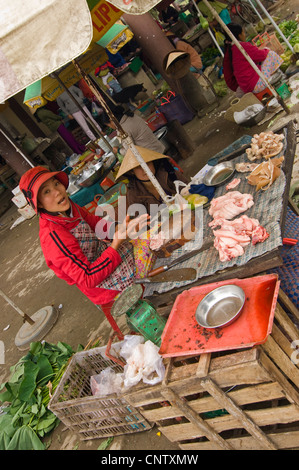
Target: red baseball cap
[{"x": 32, "y": 180}]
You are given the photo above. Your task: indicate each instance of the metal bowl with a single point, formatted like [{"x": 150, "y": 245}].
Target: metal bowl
[
  {"x": 88, "y": 178},
  {"x": 220, "y": 307},
  {"x": 219, "y": 174}
]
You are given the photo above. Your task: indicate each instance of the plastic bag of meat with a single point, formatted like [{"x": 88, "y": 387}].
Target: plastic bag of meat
[
  {"x": 106, "y": 383},
  {"x": 144, "y": 363}
]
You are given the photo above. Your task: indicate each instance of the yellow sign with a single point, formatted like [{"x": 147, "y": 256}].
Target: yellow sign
[
  {"x": 103, "y": 16},
  {"x": 89, "y": 62}
]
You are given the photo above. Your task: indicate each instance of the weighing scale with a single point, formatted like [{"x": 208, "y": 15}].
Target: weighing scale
[{"x": 141, "y": 315}]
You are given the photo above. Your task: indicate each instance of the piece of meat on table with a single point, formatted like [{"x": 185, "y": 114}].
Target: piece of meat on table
[
  {"x": 230, "y": 205},
  {"x": 265, "y": 173},
  {"x": 265, "y": 145},
  {"x": 244, "y": 167},
  {"x": 233, "y": 184},
  {"x": 234, "y": 235}
]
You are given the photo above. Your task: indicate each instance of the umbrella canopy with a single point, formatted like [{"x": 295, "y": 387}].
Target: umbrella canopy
[
  {"x": 36, "y": 39},
  {"x": 135, "y": 7},
  {"x": 117, "y": 36}
]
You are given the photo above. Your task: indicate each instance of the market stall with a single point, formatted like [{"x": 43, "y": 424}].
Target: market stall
[
  {"x": 262, "y": 256},
  {"x": 239, "y": 376},
  {"x": 244, "y": 385}
]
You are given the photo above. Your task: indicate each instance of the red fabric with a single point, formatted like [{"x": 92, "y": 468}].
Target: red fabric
[
  {"x": 64, "y": 256},
  {"x": 240, "y": 73}
]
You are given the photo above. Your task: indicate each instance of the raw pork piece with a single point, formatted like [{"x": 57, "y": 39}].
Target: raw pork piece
[
  {"x": 230, "y": 205},
  {"x": 265, "y": 145},
  {"x": 233, "y": 235},
  {"x": 233, "y": 184},
  {"x": 157, "y": 241},
  {"x": 244, "y": 167},
  {"x": 265, "y": 173}
]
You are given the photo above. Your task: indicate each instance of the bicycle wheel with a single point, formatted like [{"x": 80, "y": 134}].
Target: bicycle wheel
[{"x": 247, "y": 13}]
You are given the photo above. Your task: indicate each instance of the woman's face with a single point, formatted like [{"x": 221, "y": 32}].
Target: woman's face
[
  {"x": 52, "y": 196},
  {"x": 140, "y": 173},
  {"x": 242, "y": 36}
]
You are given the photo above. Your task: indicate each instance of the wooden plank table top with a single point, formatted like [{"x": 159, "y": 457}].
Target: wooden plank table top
[{"x": 269, "y": 260}]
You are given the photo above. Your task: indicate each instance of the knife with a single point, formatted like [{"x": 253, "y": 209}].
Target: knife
[
  {"x": 181, "y": 259},
  {"x": 177, "y": 275}
]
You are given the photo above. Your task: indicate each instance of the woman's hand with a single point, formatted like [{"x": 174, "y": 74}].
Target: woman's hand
[{"x": 129, "y": 229}]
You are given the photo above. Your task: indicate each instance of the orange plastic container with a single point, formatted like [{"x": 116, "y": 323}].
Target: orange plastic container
[{"x": 182, "y": 334}]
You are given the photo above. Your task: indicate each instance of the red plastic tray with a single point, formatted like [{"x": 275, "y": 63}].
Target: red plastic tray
[{"x": 183, "y": 336}]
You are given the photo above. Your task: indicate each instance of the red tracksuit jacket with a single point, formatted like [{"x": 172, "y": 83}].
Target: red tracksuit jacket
[{"x": 64, "y": 256}]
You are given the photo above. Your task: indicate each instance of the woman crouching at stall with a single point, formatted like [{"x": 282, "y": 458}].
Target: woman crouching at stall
[
  {"x": 140, "y": 189},
  {"x": 239, "y": 75},
  {"x": 99, "y": 267}
]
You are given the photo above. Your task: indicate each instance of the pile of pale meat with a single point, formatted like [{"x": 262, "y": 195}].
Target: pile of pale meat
[{"x": 233, "y": 233}]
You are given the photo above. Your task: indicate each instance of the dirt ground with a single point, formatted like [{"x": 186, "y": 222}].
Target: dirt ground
[{"x": 28, "y": 282}]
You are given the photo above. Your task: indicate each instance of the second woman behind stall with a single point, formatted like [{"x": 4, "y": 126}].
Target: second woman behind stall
[
  {"x": 140, "y": 190},
  {"x": 238, "y": 73}
]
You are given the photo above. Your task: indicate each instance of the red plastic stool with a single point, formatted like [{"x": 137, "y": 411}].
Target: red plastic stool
[
  {"x": 106, "y": 308},
  {"x": 263, "y": 93}
]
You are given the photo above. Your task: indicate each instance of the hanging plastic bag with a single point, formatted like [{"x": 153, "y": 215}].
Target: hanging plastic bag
[
  {"x": 220, "y": 38},
  {"x": 203, "y": 22},
  {"x": 178, "y": 202},
  {"x": 95, "y": 110}
]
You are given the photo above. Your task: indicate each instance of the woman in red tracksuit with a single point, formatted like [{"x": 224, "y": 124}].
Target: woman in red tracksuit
[
  {"x": 101, "y": 269},
  {"x": 238, "y": 73}
]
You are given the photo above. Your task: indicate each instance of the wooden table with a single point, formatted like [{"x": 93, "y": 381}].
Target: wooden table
[{"x": 257, "y": 265}]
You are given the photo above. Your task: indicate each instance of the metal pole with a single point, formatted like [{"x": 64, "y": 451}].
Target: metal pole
[
  {"x": 251, "y": 3},
  {"x": 275, "y": 25},
  {"x": 123, "y": 134},
  {"x": 209, "y": 30},
  {"x": 16, "y": 148},
  {"x": 253, "y": 65}
]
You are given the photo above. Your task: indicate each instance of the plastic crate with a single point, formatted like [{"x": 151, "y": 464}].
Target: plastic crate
[{"x": 92, "y": 417}]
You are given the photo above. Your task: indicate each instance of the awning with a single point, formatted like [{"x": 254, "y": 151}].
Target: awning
[{"x": 117, "y": 36}]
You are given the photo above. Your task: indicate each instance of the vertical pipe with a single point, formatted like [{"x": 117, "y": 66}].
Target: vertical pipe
[{"x": 209, "y": 30}]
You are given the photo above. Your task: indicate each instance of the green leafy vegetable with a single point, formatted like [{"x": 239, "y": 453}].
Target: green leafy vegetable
[{"x": 27, "y": 418}]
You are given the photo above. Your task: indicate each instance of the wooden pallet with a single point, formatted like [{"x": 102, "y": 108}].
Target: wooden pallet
[{"x": 243, "y": 399}]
